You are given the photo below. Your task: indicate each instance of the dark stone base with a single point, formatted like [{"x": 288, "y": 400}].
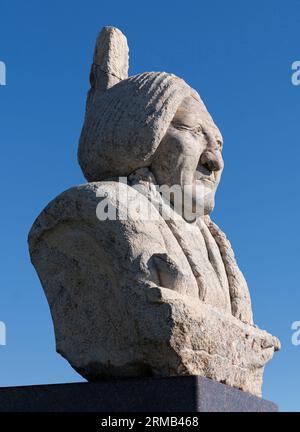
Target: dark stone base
[{"x": 174, "y": 394}]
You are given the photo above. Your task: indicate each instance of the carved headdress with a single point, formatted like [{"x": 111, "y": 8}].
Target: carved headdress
[{"x": 126, "y": 118}]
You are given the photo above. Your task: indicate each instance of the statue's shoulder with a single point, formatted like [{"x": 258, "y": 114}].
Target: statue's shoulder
[
  {"x": 106, "y": 206},
  {"x": 102, "y": 232}
]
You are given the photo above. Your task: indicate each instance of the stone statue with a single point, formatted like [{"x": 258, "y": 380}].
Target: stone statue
[{"x": 132, "y": 295}]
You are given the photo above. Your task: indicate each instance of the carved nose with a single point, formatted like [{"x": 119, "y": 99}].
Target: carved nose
[{"x": 212, "y": 160}]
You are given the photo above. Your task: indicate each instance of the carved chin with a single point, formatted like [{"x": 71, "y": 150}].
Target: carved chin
[
  {"x": 199, "y": 208},
  {"x": 194, "y": 201},
  {"x": 204, "y": 200},
  {"x": 209, "y": 205}
]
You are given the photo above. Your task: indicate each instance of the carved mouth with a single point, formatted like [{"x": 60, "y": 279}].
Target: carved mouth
[
  {"x": 206, "y": 182},
  {"x": 200, "y": 177}
]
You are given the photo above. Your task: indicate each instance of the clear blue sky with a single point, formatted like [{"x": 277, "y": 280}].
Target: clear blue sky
[{"x": 238, "y": 55}]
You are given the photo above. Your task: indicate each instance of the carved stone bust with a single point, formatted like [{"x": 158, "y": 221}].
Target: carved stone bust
[{"x": 134, "y": 295}]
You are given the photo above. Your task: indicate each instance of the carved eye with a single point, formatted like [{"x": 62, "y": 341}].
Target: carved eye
[
  {"x": 198, "y": 130},
  {"x": 179, "y": 126}
]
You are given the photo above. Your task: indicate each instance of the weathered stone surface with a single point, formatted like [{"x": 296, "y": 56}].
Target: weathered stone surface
[
  {"x": 134, "y": 293},
  {"x": 125, "y": 125},
  {"x": 111, "y": 316},
  {"x": 110, "y": 62}
]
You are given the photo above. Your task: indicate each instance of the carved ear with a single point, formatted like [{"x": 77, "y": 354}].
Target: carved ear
[{"x": 110, "y": 62}]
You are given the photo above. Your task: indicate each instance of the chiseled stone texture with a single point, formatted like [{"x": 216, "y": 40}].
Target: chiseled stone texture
[
  {"x": 139, "y": 296},
  {"x": 110, "y": 62},
  {"x": 111, "y": 316}
]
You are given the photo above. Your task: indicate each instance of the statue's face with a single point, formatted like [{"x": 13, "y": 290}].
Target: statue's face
[{"x": 190, "y": 155}]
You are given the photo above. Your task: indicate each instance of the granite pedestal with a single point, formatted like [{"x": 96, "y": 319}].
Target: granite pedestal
[{"x": 172, "y": 394}]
